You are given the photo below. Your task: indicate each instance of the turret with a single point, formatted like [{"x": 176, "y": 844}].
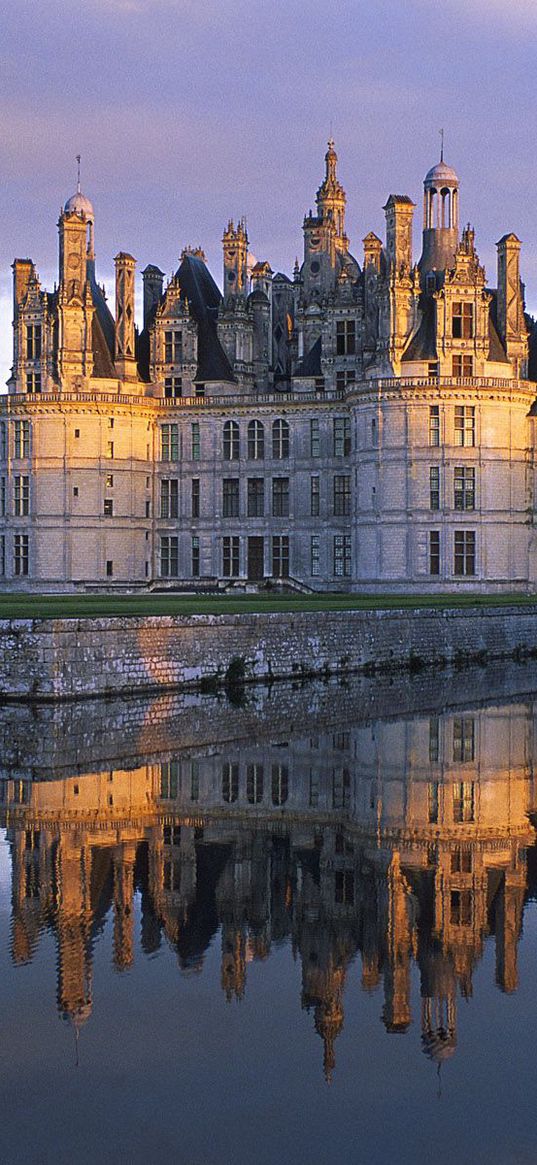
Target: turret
[
  {"x": 125, "y": 359},
  {"x": 510, "y": 304},
  {"x": 331, "y": 198},
  {"x": 153, "y": 279},
  {"x": 235, "y": 244},
  {"x": 440, "y": 218}
]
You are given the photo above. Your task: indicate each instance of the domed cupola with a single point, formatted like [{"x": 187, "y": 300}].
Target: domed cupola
[
  {"x": 440, "y": 218},
  {"x": 80, "y": 205}
]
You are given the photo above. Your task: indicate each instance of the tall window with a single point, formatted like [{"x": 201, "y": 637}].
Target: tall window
[
  {"x": 463, "y": 739},
  {"x": 256, "y": 497},
  {"x": 20, "y": 554},
  {"x": 230, "y": 782},
  {"x": 256, "y": 441},
  {"x": 196, "y": 441},
  {"x": 254, "y": 783},
  {"x": 2, "y": 497},
  {"x": 463, "y": 321},
  {"x": 342, "y": 436},
  {"x": 342, "y": 496},
  {"x": 2, "y": 555},
  {"x": 315, "y": 556},
  {"x": 434, "y": 425},
  {"x": 280, "y": 556},
  {"x": 195, "y": 556},
  {"x": 280, "y": 497},
  {"x": 21, "y": 497},
  {"x": 434, "y": 487},
  {"x": 315, "y": 497},
  {"x": 464, "y": 481},
  {"x": 3, "y": 441},
  {"x": 231, "y": 441},
  {"x": 33, "y": 381},
  {"x": 169, "y": 779},
  {"x": 462, "y": 366},
  {"x": 434, "y": 739},
  {"x": 280, "y": 784},
  {"x": 230, "y": 556},
  {"x": 230, "y": 497},
  {"x": 173, "y": 347},
  {"x": 169, "y": 556},
  {"x": 22, "y": 439},
  {"x": 169, "y": 442},
  {"x": 280, "y": 440},
  {"x": 345, "y": 378},
  {"x": 346, "y": 337},
  {"x": 464, "y": 425},
  {"x": 463, "y": 802},
  {"x": 432, "y": 802},
  {"x": 195, "y": 497},
  {"x": 169, "y": 498},
  {"x": 342, "y": 555},
  {"x": 434, "y": 552},
  {"x": 464, "y": 557},
  {"x": 33, "y": 341},
  {"x": 315, "y": 438},
  {"x": 173, "y": 387}
]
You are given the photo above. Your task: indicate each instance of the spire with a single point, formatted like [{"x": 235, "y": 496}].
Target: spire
[
  {"x": 441, "y": 145},
  {"x": 78, "y": 187}
]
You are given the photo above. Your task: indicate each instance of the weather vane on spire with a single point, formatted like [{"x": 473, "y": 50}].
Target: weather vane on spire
[
  {"x": 78, "y": 173},
  {"x": 442, "y": 145}
]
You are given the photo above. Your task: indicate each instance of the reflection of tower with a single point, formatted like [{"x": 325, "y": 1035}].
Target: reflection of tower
[
  {"x": 124, "y": 859},
  {"x": 73, "y": 872},
  {"x": 508, "y": 925},
  {"x": 323, "y": 981},
  {"x": 233, "y": 970},
  {"x": 439, "y": 1028},
  {"x": 396, "y": 1012}
]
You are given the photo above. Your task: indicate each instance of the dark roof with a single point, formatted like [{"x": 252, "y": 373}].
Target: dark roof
[
  {"x": 204, "y": 299},
  {"x": 496, "y": 349},
  {"x": 532, "y": 364},
  {"x": 284, "y": 278},
  {"x": 103, "y": 331},
  {"x": 310, "y": 365},
  {"x": 398, "y": 199},
  {"x": 423, "y": 343}
]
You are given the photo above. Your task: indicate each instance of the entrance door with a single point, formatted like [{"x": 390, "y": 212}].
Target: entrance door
[{"x": 255, "y": 559}]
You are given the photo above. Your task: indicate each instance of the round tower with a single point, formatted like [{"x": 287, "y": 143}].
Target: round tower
[{"x": 440, "y": 218}]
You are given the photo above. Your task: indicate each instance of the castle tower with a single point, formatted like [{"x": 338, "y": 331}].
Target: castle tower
[
  {"x": 510, "y": 314},
  {"x": 75, "y": 303},
  {"x": 125, "y": 358},
  {"x": 440, "y": 218},
  {"x": 153, "y": 279},
  {"x": 331, "y": 198},
  {"x": 235, "y": 244}
]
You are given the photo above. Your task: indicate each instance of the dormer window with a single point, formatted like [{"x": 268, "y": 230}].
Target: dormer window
[
  {"x": 345, "y": 337},
  {"x": 173, "y": 347},
  {"x": 463, "y": 321},
  {"x": 33, "y": 341}
]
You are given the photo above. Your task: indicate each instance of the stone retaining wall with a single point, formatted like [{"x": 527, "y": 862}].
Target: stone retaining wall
[{"x": 76, "y": 658}]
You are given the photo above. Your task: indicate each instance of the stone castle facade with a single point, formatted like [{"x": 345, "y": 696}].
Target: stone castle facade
[{"x": 357, "y": 427}]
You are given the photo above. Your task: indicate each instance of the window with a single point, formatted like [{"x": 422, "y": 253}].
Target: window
[
  {"x": 195, "y": 557},
  {"x": 280, "y": 497},
  {"x": 463, "y": 802},
  {"x": 200, "y": 391},
  {"x": 21, "y": 497},
  {"x": 315, "y": 497},
  {"x": 434, "y": 487},
  {"x": 33, "y": 381},
  {"x": 346, "y": 337},
  {"x": 280, "y": 784},
  {"x": 432, "y": 368},
  {"x": 33, "y": 341},
  {"x": 345, "y": 379},
  {"x": 20, "y": 554},
  {"x": 344, "y": 888},
  {"x": 256, "y": 441},
  {"x": 315, "y": 556},
  {"x": 169, "y": 774},
  {"x": 22, "y": 439},
  {"x": 254, "y": 783},
  {"x": 460, "y": 908},
  {"x": 434, "y": 551},
  {"x": 110, "y": 449},
  {"x": 108, "y": 508},
  {"x": 169, "y": 438},
  {"x": 169, "y": 556},
  {"x": 463, "y": 321},
  {"x": 230, "y": 782},
  {"x": 195, "y": 497},
  {"x": 280, "y": 556},
  {"x": 110, "y": 422},
  {"x": 109, "y": 568},
  {"x": 196, "y": 441},
  {"x": 464, "y": 480},
  {"x": 342, "y": 496},
  {"x": 256, "y": 497},
  {"x": 110, "y": 481},
  {"x": 173, "y": 387},
  {"x": 434, "y": 425},
  {"x": 342, "y": 555},
  {"x": 342, "y": 436},
  {"x": 315, "y": 438},
  {"x": 194, "y": 780},
  {"x": 464, "y": 557},
  {"x": 173, "y": 347},
  {"x": 3, "y": 441},
  {"x": 230, "y": 556},
  {"x": 462, "y": 366},
  {"x": 432, "y": 802},
  {"x": 461, "y": 861},
  {"x": 231, "y": 441},
  {"x": 2, "y": 497},
  {"x": 2, "y": 555},
  {"x": 463, "y": 739},
  {"x": 169, "y": 498},
  {"x": 280, "y": 440},
  {"x": 434, "y": 740},
  {"x": 464, "y": 425},
  {"x": 230, "y": 497}
]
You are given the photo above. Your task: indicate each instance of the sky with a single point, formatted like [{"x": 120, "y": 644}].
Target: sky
[{"x": 191, "y": 112}]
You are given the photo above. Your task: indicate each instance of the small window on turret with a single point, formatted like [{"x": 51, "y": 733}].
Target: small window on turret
[{"x": 463, "y": 321}]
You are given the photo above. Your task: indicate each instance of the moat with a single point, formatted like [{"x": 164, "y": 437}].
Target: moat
[{"x": 295, "y": 925}]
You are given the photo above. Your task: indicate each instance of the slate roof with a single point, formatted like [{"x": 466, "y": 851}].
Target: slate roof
[
  {"x": 103, "y": 330},
  {"x": 310, "y": 365},
  {"x": 423, "y": 343}
]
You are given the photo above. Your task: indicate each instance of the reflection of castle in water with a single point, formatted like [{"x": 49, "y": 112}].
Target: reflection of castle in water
[{"x": 401, "y": 841}]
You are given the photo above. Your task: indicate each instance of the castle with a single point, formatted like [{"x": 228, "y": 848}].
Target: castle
[{"x": 357, "y": 427}]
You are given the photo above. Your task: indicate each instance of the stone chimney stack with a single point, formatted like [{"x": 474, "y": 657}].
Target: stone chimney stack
[{"x": 125, "y": 356}]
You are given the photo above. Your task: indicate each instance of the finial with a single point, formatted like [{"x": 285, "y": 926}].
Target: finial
[
  {"x": 78, "y": 174},
  {"x": 442, "y": 145}
]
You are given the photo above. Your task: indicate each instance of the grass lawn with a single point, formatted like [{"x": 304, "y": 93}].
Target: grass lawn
[{"x": 87, "y": 606}]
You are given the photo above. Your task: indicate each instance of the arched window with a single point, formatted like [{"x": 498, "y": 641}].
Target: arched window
[
  {"x": 256, "y": 441},
  {"x": 280, "y": 440},
  {"x": 231, "y": 441}
]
